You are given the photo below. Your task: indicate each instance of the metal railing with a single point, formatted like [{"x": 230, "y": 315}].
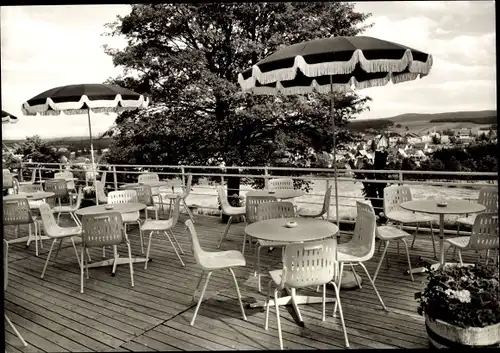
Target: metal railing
[{"x": 216, "y": 173}]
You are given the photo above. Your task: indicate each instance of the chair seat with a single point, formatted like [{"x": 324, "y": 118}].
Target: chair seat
[
  {"x": 130, "y": 217},
  {"x": 35, "y": 204},
  {"x": 271, "y": 243},
  {"x": 66, "y": 232},
  {"x": 152, "y": 224},
  {"x": 221, "y": 259},
  {"x": 348, "y": 253},
  {"x": 408, "y": 217},
  {"x": 467, "y": 220},
  {"x": 459, "y": 242},
  {"x": 391, "y": 233},
  {"x": 58, "y": 209},
  {"x": 305, "y": 212},
  {"x": 235, "y": 211}
]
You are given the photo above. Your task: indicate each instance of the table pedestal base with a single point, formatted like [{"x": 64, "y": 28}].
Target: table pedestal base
[{"x": 119, "y": 261}]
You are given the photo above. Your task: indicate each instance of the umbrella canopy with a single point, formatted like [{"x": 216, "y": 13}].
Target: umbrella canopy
[
  {"x": 79, "y": 99},
  {"x": 9, "y": 118},
  {"x": 345, "y": 62}
]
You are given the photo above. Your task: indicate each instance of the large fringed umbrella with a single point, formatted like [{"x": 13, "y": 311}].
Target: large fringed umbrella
[
  {"x": 334, "y": 64},
  {"x": 9, "y": 118},
  {"x": 83, "y": 99}
]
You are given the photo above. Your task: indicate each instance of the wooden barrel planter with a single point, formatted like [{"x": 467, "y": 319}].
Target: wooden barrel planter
[{"x": 443, "y": 335}]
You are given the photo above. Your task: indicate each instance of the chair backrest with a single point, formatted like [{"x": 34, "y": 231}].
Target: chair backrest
[
  {"x": 224, "y": 203},
  {"x": 144, "y": 193},
  {"x": 485, "y": 231},
  {"x": 326, "y": 200},
  {"x": 27, "y": 188},
  {"x": 33, "y": 175},
  {"x": 280, "y": 184},
  {"x": 49, "y": 222},
  {"x": 175, "y": 214},
  {"x": 144, "y": 178},
  {"x": 488, "y": 197},
  {"x": 57, "y": 186},
  {"x": 99, "y": 189},
  {"x": 8, "y": 179},
  {"x": 64, "y": 175},
  {"x": 251, "y": 206},
  {"x": 195, "y": 243},
  {"x": 122, "y": 196},
  {"x": 309, "y": 264},
  {"x": 363, "y": 238},
  {"x": 5, "y": 264},
  {"x": 272, "y": 210},
  {"x": 187, "y": 189},
  {"x": 102, "y": 230},
  {"x": 16, "y": 212},
  {"x": 394, "y": 196}
]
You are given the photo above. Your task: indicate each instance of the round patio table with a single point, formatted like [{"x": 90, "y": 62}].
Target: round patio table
[
  {"x": 119, "y": 207},
  {"x": 279, "y": 194},
  {"x": 452, "y": 207},
  {"x": 153, "y": 184},
  {"x": 307, "y": 229},
  {"x": 31, "y": 196}
]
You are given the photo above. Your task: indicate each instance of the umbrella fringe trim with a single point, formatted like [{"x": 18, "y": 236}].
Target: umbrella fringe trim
[{"x": 337, "y": 68}]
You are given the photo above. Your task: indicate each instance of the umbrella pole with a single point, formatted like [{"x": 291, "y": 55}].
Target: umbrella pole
[
  {"x": 92, "y": 156},
  {"x": 334, "y": 156}
]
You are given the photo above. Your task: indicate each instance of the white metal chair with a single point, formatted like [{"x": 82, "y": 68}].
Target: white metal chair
[
  {"x": 58, "y": 187},
  {"x": 70, "y": 184},
  {"x": 127, "y": 196},
  {"x": 57, "y": 233},
  {"x": 280, "y": 184},
  {"x": 101, "y": 195},
  {"x": 185, "y": 193},
  {"x": 394, "y": 196},
  {"x": 16, "y": 213},
  {"x": 386, "y": 234},
  {"x": 155, "y": 191},
  {"x": 230, "y": 211},
  {"x": 305, "y": 265},
  {"x": 305, "y": 212},
  {"x": 163, "y": 226},
  {"x": 7, "y": 179},
  {"x": 31, "y": 188},
  {"x": 484, "y": 236},
  {"x": 361, "y": 246},
  {"x": 488, "y": 197},
  {"x": 211, "y": 261},
  {"x": 100, "y": 231},
  {"x": 70, "y": 209},
  {"x": 31, "y": 181},
  {"x": 251, "y": 203},
  {"x": 145, "y": 196},
  {"x": 5, "y": 283},
  {"x": 265, "y": 211}
]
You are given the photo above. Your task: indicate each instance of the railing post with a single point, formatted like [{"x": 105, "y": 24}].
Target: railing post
[
  {"x": 183, "y": 176},
  {"x": 329, "y": 203},
  {"x": 266, "y": 177},
  {"x": 400, "y": 174},
  {"x": 115, "y": 178}
]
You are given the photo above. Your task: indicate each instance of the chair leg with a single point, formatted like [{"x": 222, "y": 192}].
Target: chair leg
[
  {"x": 58, "y": 217},
  {"x": 175, "y": 238},
  {"x": 201, "y": 298},
  {"x": 258, "y": 267},
  {"x": 338, "y": 285},
  {"x": 115, "y": 262},
  {"x": 82, "y": 269},
  {"x": 198, "y": 285},
  {"x": 381, "y": 259},
  {"x": 458, "y": 231},
  {"x": 130, "y": 262},
  {"x": 414, "y": 237},
  {"x": 355, "y": 276},
  {"x": 76, "y": 251},
  {"x": 58, "y": 248},
  {"x": 460, "y": 256},
  {"x": 225, "y": 232},
  {"x": 323, "y": 317},
  {"x": 487, "y": 256},
  {"x": 337, "y": 295},
  {"x": 277, "y": 307},
  {"x": 266, "y": 323},
  {"x": 75, "y": 218},
  {"x": 175, "y": 249},
  {"x": 379, "y": 244},
  {"x": 190, "y": 214},
  {"x": 238, "y": 294},
  {"x": 373, "y": 285},
  {"x": 103, "y": 251},
  {"x": 15, "y": 330},
  {"x": 408, "y": 258},
  {"x": 48, "y": 258},
  {"x": 397, "y": 247},
  {"x": 140, "y": 236},
  {"x": 433, "y": 240},
  {"x": 147, "y": 251}
]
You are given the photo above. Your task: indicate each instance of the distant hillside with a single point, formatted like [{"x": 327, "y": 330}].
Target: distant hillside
[
  {"x": 73, "y": 142},
  {"x": 449, "y": 116}
]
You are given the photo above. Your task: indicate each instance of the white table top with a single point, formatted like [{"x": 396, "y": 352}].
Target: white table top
[
  {"x": 118, "y": 207},
  {"x": 307, "y": 229},
  {"x": 453, "y": 206},
  {"x": 152, "y": 184},
  {"x": 39, "y": 195},
  {"x": 279, "y": 194}
]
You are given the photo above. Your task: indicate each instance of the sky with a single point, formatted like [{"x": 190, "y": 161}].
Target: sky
[{"x": 48, "y": 46}]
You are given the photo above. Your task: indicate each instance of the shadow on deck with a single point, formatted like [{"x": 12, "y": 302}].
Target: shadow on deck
[{"x": 53, "y": 316}]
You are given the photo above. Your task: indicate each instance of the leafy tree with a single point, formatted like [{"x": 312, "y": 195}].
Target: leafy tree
[
  {"x": 34, "y": 149},
  {"x": 436, "y": 140},
  {"x": 398, "y": 126},
  {"x": 186, "y": 58}
]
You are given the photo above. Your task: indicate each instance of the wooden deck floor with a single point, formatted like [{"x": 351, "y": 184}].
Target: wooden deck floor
[{"x": 53, "y": 316}]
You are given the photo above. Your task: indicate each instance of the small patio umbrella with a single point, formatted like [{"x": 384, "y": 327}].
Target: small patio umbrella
[
  {"x": 334, "y": 64},
  {"x": 9, "y": 118},
  {"x": 82, "y": 99}
]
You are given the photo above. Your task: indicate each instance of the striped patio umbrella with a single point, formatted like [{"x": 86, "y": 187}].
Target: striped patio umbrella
[
  {"x": 83, "y": 99},
  {"x": 9, "y": 118},
  {"x": 334, "y": 64}
]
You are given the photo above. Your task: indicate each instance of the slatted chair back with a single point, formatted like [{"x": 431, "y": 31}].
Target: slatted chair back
[
  {"x": 326, "y": 200},
  {"x": 280, "y": 184},
  {"x": 485, "y": 232},
  {"x": 29, "y": 188},
  {"x": 17, "y": 212},
  {"x": 8, "y": 179},
  {"x": 309, "y": 264},
  {"x": 251, "y": 206},
  {"x": 394, "y": 196},
  {"x": 49, "y": 222},
  {"x": 187, "y": 189},
  {"x": 102, "y": 230},
  {"x": 122, "y": 196},
  {"x": 272, "y": 210},
  {"x": 195, "y": 243},
  {"x": 101, "y": 195},
  {"x": 5, "y": 264},
  {"x": 488, "y": 197},
  {"x": 363, "y": 238},
  {"x": 148, "y": 177},
  {"x": 144, "y": 193},
  {"x": 66, "y": 175},
  {"x": 57, "y": 186}
]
